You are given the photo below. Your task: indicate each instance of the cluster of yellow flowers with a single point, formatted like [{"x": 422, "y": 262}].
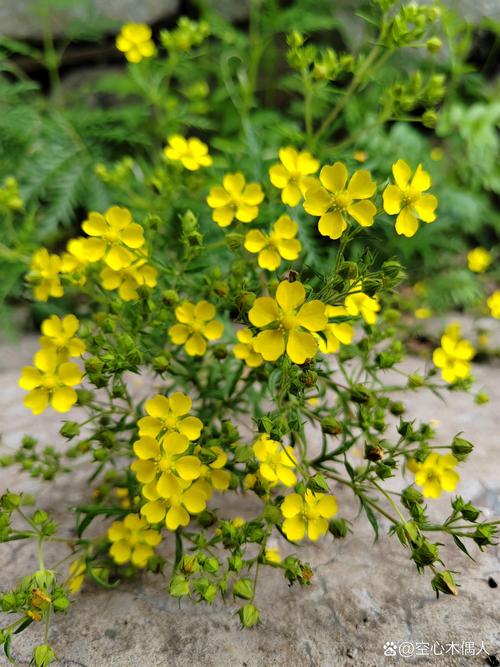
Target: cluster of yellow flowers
[
  {"x": 52, "y": 378},
  {"x": 454, "y": 355},
  {"x": 114, "y": 239},
  {"x": 176, "y": 483}
]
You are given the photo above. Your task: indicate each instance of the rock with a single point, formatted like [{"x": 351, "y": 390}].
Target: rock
[
  {"x": 364, "y": 597},
  {"x": 19, "y": 18}
]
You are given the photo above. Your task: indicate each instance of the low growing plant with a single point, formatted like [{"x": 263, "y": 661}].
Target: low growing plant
[{"x": 243, "y": 280}]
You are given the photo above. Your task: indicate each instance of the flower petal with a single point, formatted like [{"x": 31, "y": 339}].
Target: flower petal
[{"x": 334, "y": 177}]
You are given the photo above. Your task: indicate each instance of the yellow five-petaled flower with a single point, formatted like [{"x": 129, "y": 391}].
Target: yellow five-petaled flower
[
  {"x": 288, "y": 323},
  {"x": 51, "y": 379},
  {"x": 406, "y": 198},
  {"x": 235, "y": 198},
  {"x": 308, "y": 513},
  {"x": 112, "y": 235},
  {"x": 44, "y": 274},
  {"x": 334, "y": 197},
  {"x": 276, "y": 462},
  {"x": 293, "y": 175},
  {"x": 436, "y": 474},
  {"x": 135, "y": 42},
  {"x": 196, "y": 326},
  {"x": 454, "y": 355},
  {"x": 192, "y": 153},
  {"x": 132, "y": 540},
  {"x": 60, "y": 335},
  {"x": 280, "y": 243}
]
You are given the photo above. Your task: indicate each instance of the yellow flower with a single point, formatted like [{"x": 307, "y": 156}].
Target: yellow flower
[
  {"x": 276, "y": 461},
  {"x": 192, "y": 152},
  {"x": 493, "y": 303},
  {"x": 74, "y": 261},
  {"x": 132, "y": 541},
  {"x": 113, "y": 233},
  {"x": 335, "y": 197},
  {"x": 335, "y": 333},
  {"x": 77, "y": 570},
  {"x": 454, "y": 355},
  {"x": 307, "y": 513},
  {"x": 245, "y": 349},
  {"x": 135, "y": 42},
  {"x": 360, "y": 156},
  {"x": 280, "y": 243},
  {"x": 436, "y": 474},
  {"x": 478, "y": 260},
  {"x": 238, "y": 522},
  {"x": 166, "y": 414},
  {"x": 406, "y": 199},
  {"x": 359, "y": 303},
  {"x": 272, "y": 555},
  {"x": 293, "y": 175},
  {"x": 197, "y": 325},
  {"x": 235, "y": 199},
  {"x": 213, "y": 474},
  {"x": 50, "y": 379},
  {"x": 129, "y": 279},
  {"x": 423, "y": 313},
  {"x": 167, "y": 457},
  {"x": 44, "y": 274},
  {"x": 60, "y": 335},
  {"x": 174, "y": 502},
  {"x": 291, "y": 321}
]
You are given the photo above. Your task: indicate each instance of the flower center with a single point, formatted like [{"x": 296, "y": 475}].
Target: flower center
[
  {"x": 340, "y": 201},
  {"x": 409, "y": 197},
  {"x": 170, "y": 421},
  {"x": 49, "y": 381},
  {"x": 289, "y": 322}
]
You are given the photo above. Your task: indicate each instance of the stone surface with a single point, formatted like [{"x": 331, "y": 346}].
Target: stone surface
[
  {"x": 363, "y": 593},
  {"x": 22, "y": 19}
]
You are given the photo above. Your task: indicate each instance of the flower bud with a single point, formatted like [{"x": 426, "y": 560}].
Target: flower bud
[
  {"x": 434, "y": 44},
  {"x": 69, "y": 430},
  {"x": 179, "y": 586},
  {"x": 373, "y": 452},
  {"x": 272, "y": 514},
  {"x": 360, "y": 394},
  {"x": 484, "y": 535},
  {"x": 429, "y": 118},
  {"x": 220, "y": 352},
  {"x": 43, "y": 655},
  {"x": 425, "y": 554},
  {"x": 411, "y": 497},
  {"x": 397, "y": 408},
  {"x": 10, "y": 501},
  {"x": 331, "y": 426},
  {"x": 249, "y": 615},
  {"x": 467, "y": 510},
  {"x": 243, "y": 588},
  {"x": 443, "y": 582},
  {"x": 415, "y": 380},
  {"x": 234, "y": 241},
  {"x": 482, "y": 398},
  {"x": 461, "y": 448},
  {"x": 338, "y": 528},
  {"x": 318, "y": 484}
]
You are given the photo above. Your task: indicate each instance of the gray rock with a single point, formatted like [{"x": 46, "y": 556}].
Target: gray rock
[
  {"x": 22, "y": 18},
  {"x": 363, "y": 594}
]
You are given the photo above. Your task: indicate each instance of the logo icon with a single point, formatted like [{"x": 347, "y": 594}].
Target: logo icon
[{"x": 390, "y": 649}]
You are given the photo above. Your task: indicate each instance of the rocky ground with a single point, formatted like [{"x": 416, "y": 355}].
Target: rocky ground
[{"x": 363, "y": 594}]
